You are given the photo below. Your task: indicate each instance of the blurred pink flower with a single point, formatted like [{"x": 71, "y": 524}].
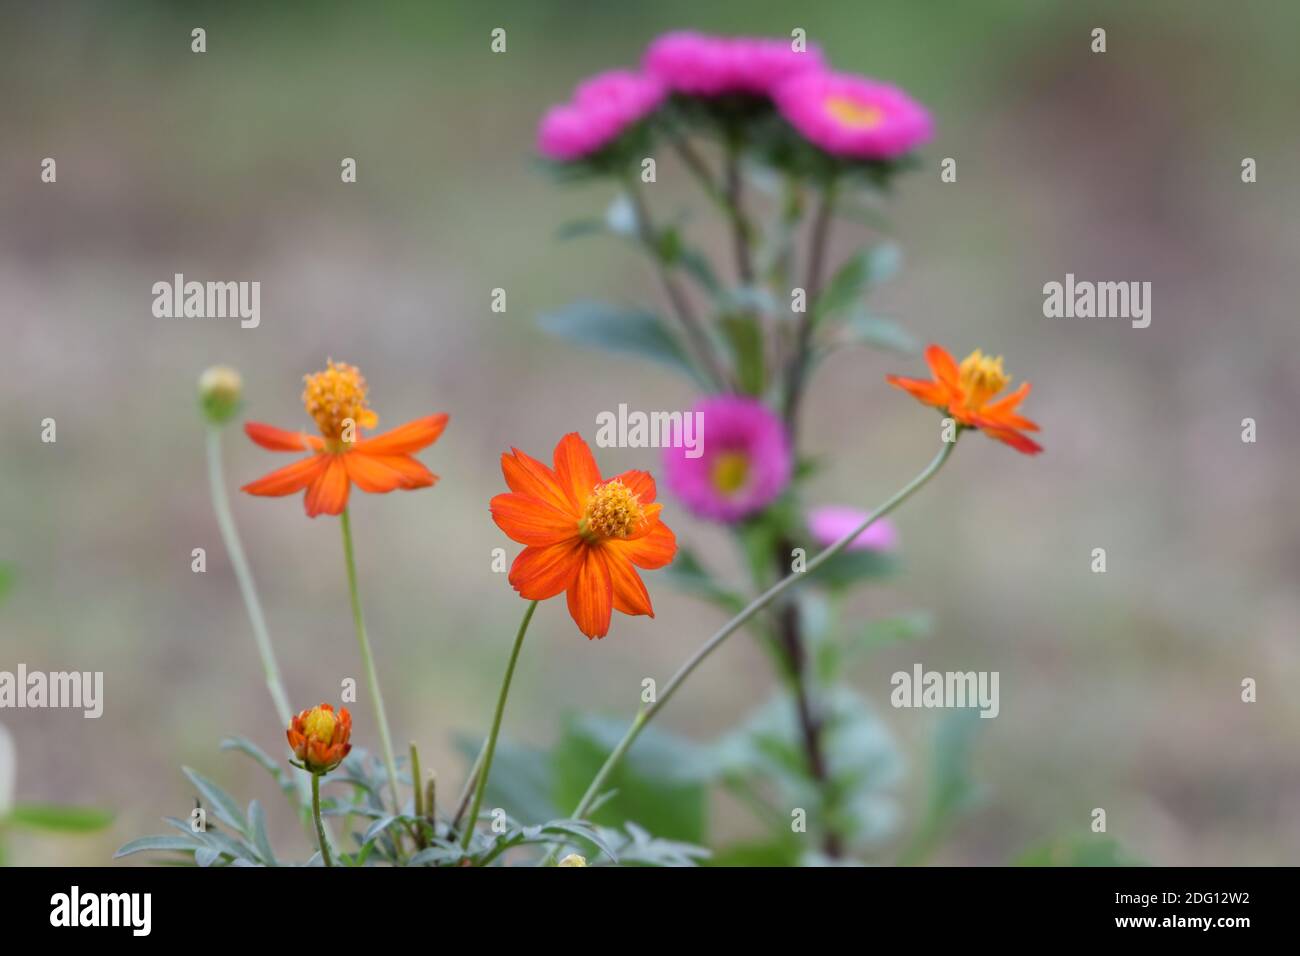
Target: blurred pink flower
[
  {"x": 852, "y": 116},
  {"x": 703, "y": 65},
  {"x": 745, "y": 463},
  {"x": 603, "y": 107},
  {"x": 829, "y": 523}
]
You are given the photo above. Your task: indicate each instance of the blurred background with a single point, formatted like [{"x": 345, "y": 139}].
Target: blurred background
[{"x": 1118, "y": 690}]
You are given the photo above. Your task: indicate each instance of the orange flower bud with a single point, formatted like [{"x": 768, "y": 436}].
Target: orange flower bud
[{"x": 319, "y": 738}]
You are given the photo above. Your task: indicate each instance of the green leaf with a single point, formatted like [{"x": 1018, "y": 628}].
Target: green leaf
[
  {"x": 849, "y": 283},
  {"x": 245, "y": 746},
  {"x": 852, "y": 567},
  {"x": 156, "y": 843},
  {"x": 520, "y": 782},
  {"x": 261, "y": 842},
  {"x": 884, "y": 631},
  {"x": 219, "y": 803},
  {"x": 951, "y": 788},
  {"x": 873, "y": 331},
  {"x": 745, "y": 339},
  {"x": 49, "y": 816},
  {"x": 659, "y": 783},
  {"x": 627, "y": 331},
  {"x": 779, "y": 853}
]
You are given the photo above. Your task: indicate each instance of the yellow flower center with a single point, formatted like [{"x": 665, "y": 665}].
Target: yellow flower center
[
  {"x": 336, "y": 399},
  {"x": 319, "y": 724},
  {"x": 613, "y": 511},
  {"x": 730, "y": 471},
  {"x": 981, "y": 377},
  {"x": 854, "y": 114}
]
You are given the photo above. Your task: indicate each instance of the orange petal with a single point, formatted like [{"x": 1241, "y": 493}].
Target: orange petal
[
  {"x": 932, "y": 393},
  {"x": 540, "y": 573},
  {"x": 591, "y": 597},
  {"x": 943, "y": 365},
  {"x": 328, "y": 494},
  {"x": 405, "y": 439},
  {"x": 1008, "y": 402},
  {"x": 1009, "y": 436},
  {"x": 630, "y": 595},
  {"x": 291, "y": 478},
  {"x": 526, "y": 475},
  {"x": 576, "y": 469},
  {"x": 277, "y": 439},
  {"x": 651, "y": 550},
  {"x": 530, "y": 521},
  {"x": 640, "y": 484},
  {"x": 379, "y": 474}
]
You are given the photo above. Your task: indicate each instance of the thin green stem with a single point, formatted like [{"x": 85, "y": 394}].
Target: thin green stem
[
  {"x": 368, "y": 661},
  {"x": 763, "y": 600},
  {"x": 490, "y": 748},
  {"x": 320, "y": 823},
  {"x": 247, "y": 589}
]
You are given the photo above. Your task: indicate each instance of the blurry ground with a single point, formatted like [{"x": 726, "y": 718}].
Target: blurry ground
[{"x": 1118, "y": 690}]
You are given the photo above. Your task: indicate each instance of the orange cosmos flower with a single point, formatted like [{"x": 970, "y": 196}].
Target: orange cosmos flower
[
  {"x": 966, "y": 393},
  {"x": 319, "y": 737},
  {"x": 585, "y": 534},
  {"x": 336, "y": 399}
]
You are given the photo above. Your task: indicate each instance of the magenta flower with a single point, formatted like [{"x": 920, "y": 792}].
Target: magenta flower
[
  {"x": 745, "y": 460},
  {"x": 852, "y": 116},
  {"x": 829, "y": 523},
  {"x": 603, "y": 107},
  {"x": 701, "y": 65}
]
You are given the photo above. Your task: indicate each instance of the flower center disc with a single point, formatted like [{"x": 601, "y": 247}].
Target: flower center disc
[
  {"x": 854, "y": 114},
  {"x": 730, "y": 472},
  {"x": 613, "y": 511},
  {"x": 336, "y": 399}
]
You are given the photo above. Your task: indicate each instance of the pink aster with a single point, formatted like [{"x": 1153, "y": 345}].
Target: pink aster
[
  {"x": 603, "y": 107},
  {"x": 745, "y": 463},
  {"x": 829, "y": 523},
  {"x": 701, "y": 65},
  {"x": 852, "y": 116}
]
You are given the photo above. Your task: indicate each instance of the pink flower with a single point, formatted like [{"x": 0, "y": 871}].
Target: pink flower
[
  {"x": 745, "y": 463},
  {"x": 603, "y": 107},
  {"x": 852, "y": 116},
  {"x": 703, "y": 65},
  {"x": 829, "y": 523}
]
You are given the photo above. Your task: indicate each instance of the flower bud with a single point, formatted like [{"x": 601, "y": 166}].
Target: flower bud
[
  {"x": 319, "y": 738},
  {"x": 573, "y": 859},
  {"x": 220, "y": 388}
]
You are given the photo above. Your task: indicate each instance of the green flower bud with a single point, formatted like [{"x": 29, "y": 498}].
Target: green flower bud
[{"x": 220, "y": 388}]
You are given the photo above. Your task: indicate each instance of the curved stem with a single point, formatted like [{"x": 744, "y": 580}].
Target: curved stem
[
  {"x": 754, "y": 606},
  {"x": 247, "y": 589},
  {"x": 368, "y": 662},
  {"x": 320, "y": 825},
  {"x": 490, "y": 748}
]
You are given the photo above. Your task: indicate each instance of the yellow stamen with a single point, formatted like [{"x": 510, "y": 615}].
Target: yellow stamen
[
  {"x": 730, "y": 471},
  {"x": 319, "y": 724},
  {"x": 852, "y": 113},
  {"x": 336, "y": 399},
  {"x": 981, "y": 377},
  {"x": 613, "y": 511}
]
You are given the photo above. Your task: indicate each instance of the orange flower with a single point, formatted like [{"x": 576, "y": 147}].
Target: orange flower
[
  {"x": 966, "y": 393},
  {"x": 336, "y": 399},
  {"x": 319, "y": 738},
  {"x": 584, "y": 534}
]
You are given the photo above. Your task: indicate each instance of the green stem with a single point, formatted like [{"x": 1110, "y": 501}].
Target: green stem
[
  {"x": 320, "y": 824},
  {"x": 490, "y": 749},
  {"x": 763, "y": 600},
  {"x": 368, "y": 662},
  {"x": 244, "y": 575}
]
